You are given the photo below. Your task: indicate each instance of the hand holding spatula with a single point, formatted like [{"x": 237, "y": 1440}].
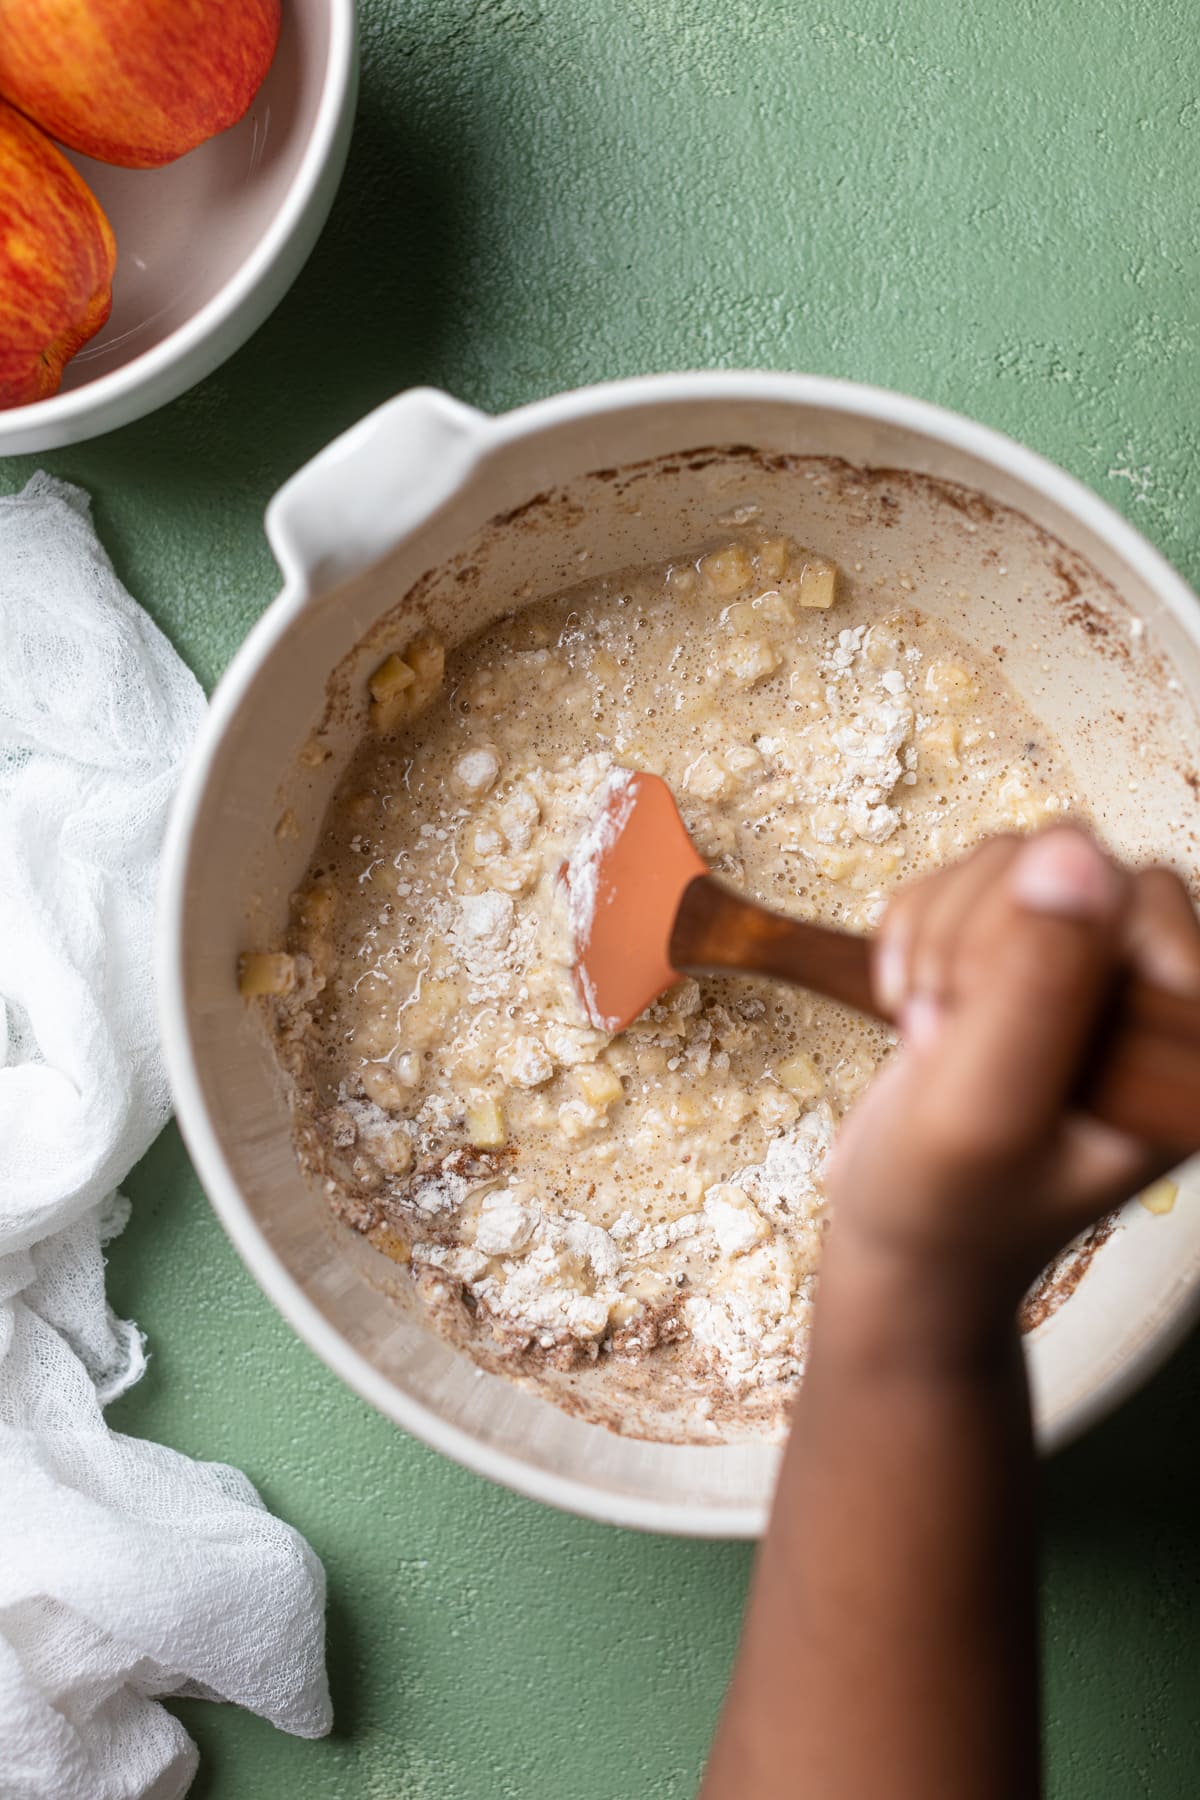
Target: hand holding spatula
[{"x": 646, "y": 910}]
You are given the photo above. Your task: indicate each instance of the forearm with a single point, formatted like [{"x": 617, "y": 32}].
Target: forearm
[{"x": 889, "y": 1650}]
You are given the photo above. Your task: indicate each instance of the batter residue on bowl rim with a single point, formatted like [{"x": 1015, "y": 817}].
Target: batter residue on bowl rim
[{"x": 652, "y": 1200}]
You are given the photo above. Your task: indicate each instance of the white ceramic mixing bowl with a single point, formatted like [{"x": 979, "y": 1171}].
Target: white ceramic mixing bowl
[
  {"x": 430, "y": 512},
  {"x": 208, "y": 245}
]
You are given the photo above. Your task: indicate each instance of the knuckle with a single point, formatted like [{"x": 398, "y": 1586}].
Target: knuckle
[{"x": 1160, "y": 885}]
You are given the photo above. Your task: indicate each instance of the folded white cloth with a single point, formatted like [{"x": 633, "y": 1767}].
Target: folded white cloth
[{"x": 126, "y": 1570}]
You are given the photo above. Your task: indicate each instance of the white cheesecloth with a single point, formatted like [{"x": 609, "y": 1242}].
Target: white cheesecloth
[{"x": 127, "y": 1571}]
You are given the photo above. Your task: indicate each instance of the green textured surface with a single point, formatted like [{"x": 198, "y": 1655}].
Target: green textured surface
[{"x": 991, "y": 207}]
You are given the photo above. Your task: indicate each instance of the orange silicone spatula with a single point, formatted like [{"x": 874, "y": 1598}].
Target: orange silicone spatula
[{"x": 645, "y": 910}]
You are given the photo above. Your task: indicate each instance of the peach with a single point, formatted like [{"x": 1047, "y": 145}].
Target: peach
[
  {"x": 135, "y": 82},
  {"x": 57, "y": 255}
]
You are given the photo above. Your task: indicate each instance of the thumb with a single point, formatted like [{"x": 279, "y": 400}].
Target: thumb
[{"x": 1013, "y": 1041}]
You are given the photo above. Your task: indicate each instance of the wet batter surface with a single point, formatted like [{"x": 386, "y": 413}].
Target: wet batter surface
[{"x": 652, "y": 1200}]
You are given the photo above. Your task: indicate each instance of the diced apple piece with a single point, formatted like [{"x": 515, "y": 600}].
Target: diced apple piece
[
  {"x": 942, "y": 741},
  {"x": 485, "y": 1123},
  {"x": 389, "y": 690},
  {"x": 740, "y": 616},
  {"x": 382, "y": 1085},
  {"x": 774, "y": 608},
  {"x": 705, "y": 778},
  {"x": 950, "y": 683},
  {"x": 390, "y": 1243},
  {"x": 727, "y": 571},
  {"x": 392, "y": 677},
  {"x": 266, "y": 973},
  {"x": 800, "y": 1076},
  {"x": 1160, "y": 1196},
  {"x": 599, "y": 1085},
  {"x": 426, "y": 657},
  {"x": 773, "y": 557},
  {"x": 818, "y": 583},
  {"x": 405, "y": 682}
]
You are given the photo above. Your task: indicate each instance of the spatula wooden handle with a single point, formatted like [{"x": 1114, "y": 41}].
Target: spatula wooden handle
[
  {"x": 716, "y": 928},
  {"x": 1144, "y": 1075}
]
